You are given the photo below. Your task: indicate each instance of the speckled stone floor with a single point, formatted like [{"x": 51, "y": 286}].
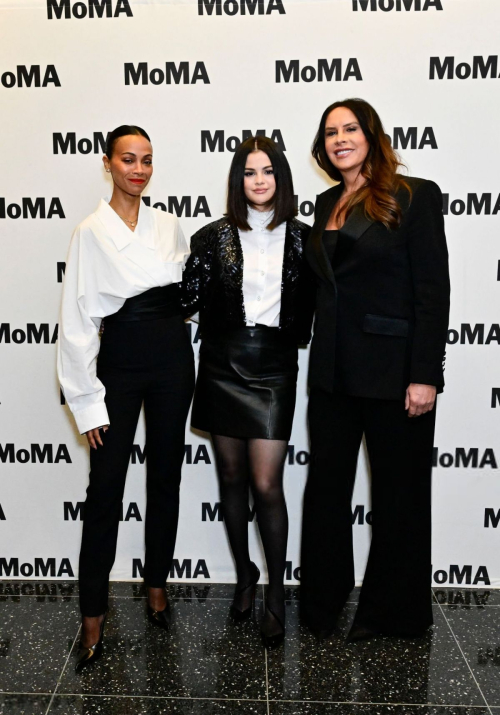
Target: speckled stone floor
[{"x": 207, "y": 665}]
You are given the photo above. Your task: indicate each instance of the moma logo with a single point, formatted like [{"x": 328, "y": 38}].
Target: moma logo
[
  {"x": 467, "y": 575},
  {"x": 75, "y": 511},
  {"x": 240, "y": 7},
  {"x": 495, "y": 397},
  {"x": 491, "y": 518},
  {"x": 2, "y": 514},
  {"x": 68, "y": 143},
  {"x": 40, "y": 568},
  {"x": 217, "y": 140},
  {"x": 36, "y": 454},
  {"x": 33, "y": 334},
  {"x": 61, "y": 269},
  {"x": 177, "y": 570},
  {"x": 413, "y": 138},
  {"x": 66, "y": 9},
  {"x": 183, "y": 206},
  {"x": 335, "y": 70},
  {"x": 479, "y": 334},
  {"x": 481, "y": 67},
  {"x": 474, "y": 204},
  {"x": 462, "y": 458},
  {"x": 398, "y": 5},
  {"x": 213, "y": 512},
  {"x": 465, "y": 598},
  {"x": 31, "y": 76},
  {"x": 138, "y": 455},
  {"x": 32, "y": 208},
  {"x": 181, "y": 73}
]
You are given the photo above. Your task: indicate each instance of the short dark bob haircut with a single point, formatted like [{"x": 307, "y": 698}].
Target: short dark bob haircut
[
  {"x": 237, "y": 202},
  {"x": 123, "y": 130}
]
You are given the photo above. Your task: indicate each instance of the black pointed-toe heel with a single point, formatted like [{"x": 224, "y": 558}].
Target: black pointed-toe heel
[
  {"x": 162, "y": 619},
  {"x": 360, "y": 633},
  {"x": 86, "y": 656},
  {"x": 271, "y": 637},
  {"x": 235, "y": 612}
]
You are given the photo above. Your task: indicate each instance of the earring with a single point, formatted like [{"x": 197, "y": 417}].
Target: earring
[{"x": 108, "y": 170}]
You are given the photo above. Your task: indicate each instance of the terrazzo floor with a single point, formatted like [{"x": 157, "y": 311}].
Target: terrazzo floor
[{"x": 207, "y": 665}]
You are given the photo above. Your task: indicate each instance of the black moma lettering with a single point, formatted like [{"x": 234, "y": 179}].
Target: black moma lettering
[
  {"x": 31, "y": 208},
  {"x": 65, "y": 9},
  {"x": 398, "y": 5},
  {"x": 217, "y": 141},
  {"x": 480, "y": 68},
  {"x": 30, "y": 76},
  {"x": 331, "y": 70},
  {"x": 61, "y": 268},
  {"x": 495, "y": 397},
  {"x": 243, "y": 7},
  {"x": 410, "y": 137},
  {"x": 68, "y": 143},
  {"x": 173, "y": 73},
  {"x": 491, "y": 518}
]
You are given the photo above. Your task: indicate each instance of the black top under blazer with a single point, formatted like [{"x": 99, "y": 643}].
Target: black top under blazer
[
  {"x": 212, "y": 282},
  {"x": 382, "y": 318}
]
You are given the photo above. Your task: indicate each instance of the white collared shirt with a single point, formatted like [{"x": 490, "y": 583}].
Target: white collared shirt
[
  {"x": 263, "y": 252},
  {"x": 108, "y": 263}
]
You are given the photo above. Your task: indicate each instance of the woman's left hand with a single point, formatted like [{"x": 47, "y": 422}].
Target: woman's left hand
[{"x": 419, "y": 399}]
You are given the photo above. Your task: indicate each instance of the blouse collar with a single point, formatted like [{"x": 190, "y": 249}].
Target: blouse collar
[
  {"x": 259, "y": 219},
  {"x": 118, "y": 230}
]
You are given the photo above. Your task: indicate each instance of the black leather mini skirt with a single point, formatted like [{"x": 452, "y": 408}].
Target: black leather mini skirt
[{"x": 247, "y": 383}]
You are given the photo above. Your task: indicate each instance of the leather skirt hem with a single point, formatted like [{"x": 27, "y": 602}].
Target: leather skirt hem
[{"x": 247, "y": 383}]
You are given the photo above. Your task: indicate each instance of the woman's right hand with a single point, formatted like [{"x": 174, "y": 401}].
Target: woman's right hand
[{"x": 93, "y": 436}]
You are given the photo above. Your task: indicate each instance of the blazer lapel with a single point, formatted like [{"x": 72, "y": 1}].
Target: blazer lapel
[
  {"x": 320, "y": 259},
  {"x": 356, "y": 224}
]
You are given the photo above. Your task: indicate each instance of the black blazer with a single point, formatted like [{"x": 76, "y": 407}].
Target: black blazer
[
  {"x": 382, "y": 319},
  {"x": 212, "y": 283}
]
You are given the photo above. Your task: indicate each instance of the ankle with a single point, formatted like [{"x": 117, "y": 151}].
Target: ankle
[{"x": 157, "y": 598}]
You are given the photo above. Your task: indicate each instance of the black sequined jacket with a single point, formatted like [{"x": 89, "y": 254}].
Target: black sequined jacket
[{"x": 212, "y": 283}]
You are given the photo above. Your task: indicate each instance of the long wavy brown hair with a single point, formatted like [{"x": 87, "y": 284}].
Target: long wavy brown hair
[{"x": 380, "y": 168}]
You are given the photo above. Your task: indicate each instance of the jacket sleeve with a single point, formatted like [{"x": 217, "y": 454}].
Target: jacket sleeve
[
  {"x": 195, "y": 275},
  {"x": 431, "y": 284},
  {"x": 307, "y": 298},
  {"x": 78, "y": 345}
]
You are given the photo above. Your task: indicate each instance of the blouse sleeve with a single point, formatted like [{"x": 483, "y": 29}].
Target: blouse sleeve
[{"x": 78, "y": 345}]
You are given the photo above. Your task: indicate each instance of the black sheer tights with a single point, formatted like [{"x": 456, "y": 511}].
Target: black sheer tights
[{"x": 257, "y": 463}]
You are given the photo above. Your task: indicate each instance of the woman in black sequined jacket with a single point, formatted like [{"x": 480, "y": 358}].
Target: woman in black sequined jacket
[
  {"x": 213, "y": 280},
  {"x": 248, "y": 279}
]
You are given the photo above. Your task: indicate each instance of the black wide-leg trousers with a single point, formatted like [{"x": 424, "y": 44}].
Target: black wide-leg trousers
[
  {"x": 395, "y": 597},
  {"x": 151, "y": 363}
]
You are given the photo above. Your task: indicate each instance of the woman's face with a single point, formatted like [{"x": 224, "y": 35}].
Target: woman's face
[
  {"x": 346, "y": 145},
  {"x": 259, "y": 183},
  {"x": 131, "y": 164}
]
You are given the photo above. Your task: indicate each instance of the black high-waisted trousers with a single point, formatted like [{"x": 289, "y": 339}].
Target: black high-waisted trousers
[
  {"x": 150, "y": 362},
  {"x": 396, "y": 594}
]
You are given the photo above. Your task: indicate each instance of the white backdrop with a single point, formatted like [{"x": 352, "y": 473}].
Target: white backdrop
[{"x": 275, "y": 70}]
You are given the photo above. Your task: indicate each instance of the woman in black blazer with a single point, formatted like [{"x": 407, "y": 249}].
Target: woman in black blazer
[
  {"x": 248, "y": 278},
  {"x": 378, "y": 250}
]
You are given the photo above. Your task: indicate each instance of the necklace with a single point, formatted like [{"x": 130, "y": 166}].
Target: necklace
[{"x": 132, "y": 223}]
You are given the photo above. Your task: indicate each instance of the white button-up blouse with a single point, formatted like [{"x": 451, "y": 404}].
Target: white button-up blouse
[
  {"x": 108, "y": 263},
  {"x": 262, "y": 268}
]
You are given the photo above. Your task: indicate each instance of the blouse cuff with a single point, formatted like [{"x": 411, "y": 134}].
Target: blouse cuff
[{"x": 91, "y": 417}]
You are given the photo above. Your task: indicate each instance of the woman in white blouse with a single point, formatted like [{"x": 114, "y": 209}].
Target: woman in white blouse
[
  {"x": 125, "y": 266},
  {"x": 247, "y": 278}
]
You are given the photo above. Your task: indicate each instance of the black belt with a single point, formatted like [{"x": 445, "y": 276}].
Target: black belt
[{"x": 153, "y": 304}]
